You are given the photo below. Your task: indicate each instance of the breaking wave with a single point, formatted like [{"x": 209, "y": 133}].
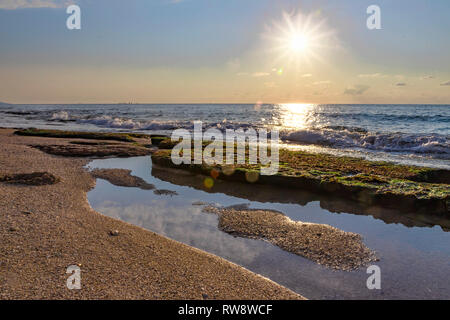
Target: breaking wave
[
  {"x": 343, "y": 137},
  {"x": 130, "y": 124},
  {"x": 350, "y": 137}
]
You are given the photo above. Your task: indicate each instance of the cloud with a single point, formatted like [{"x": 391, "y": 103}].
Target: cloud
[
  {"x": 306, "y": 75},
  {"x": 254, "y": 74},
  {"x": 370, "y": 75},
  {"x": 321, "y": 82},
  {"x": 260, "y": 74},
  {"x": 447, "y": 83},
  {"x": 400, "y": 84},
  {"x": 23, "y": 4},
  {"x": 356, "y": 89},
  {"x": 427, "y": 77}
]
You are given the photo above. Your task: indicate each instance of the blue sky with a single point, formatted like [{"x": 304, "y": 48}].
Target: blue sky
[{"x": 216, "y": 51}]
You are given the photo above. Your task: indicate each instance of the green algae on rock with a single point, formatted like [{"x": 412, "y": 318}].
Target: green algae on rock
[
  {"x": 124, "y": 137},
  {"x": 99, "y": 150},
  {"x": 404, "y": 187}
]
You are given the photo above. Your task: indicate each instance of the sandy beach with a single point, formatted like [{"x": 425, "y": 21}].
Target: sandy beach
[{"x": 46, "y": 228}]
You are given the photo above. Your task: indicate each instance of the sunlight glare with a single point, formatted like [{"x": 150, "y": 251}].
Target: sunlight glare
[
  {"x": 298, "y": 38},
  {"x": 295, "y": 115}
]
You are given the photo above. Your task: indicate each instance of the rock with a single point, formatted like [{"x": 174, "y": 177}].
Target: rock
[
  {"x": 205, "y": 296},
  {"x": 114, "y": 233},
  {"x": 199, "y": 203},
  {"x": 163, "y": 192},
  {"x": 32, "y": 179},
  {"x": 122, "y": 178}
]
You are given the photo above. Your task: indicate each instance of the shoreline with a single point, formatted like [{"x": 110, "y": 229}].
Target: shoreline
[{"x": 42, "y": 235}]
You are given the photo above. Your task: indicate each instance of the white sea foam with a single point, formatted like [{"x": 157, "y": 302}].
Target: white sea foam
[
  {"x": 396, "y": 142},
  {"x": 121, "y": 123},
  {"x": 60, "y": 115}
]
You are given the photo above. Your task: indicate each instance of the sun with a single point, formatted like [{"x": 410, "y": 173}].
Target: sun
[
  {"x": 298, "y": 43},
  {"x": 298, "y": 38}
]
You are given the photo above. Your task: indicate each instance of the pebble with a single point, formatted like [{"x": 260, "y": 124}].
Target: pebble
[{"x": 114, "y": 233}]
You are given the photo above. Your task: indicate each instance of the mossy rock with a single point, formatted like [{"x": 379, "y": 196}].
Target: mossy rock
[
  {"x": 124, "y": 137},
  {"x": 389, "y": 184}
]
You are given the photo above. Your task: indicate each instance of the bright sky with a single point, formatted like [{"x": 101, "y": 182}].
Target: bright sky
[{"x": 214, "y": 51}]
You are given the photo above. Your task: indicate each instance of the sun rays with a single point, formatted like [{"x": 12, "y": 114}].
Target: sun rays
[{"x": 298, "y": 39}]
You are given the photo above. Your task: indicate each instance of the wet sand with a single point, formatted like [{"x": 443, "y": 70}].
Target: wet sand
[
  {"x": 320, "y": 243},
  {"x": 46, "y": 228}
]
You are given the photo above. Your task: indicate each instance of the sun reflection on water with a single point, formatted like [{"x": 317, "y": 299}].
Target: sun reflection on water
[{"x": 295, "y": 115}]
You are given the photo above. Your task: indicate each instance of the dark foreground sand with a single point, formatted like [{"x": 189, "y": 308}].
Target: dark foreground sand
[{"x": 46, "y": 228}]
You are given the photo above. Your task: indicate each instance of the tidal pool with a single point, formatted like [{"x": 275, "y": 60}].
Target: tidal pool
[{"x": 414, "y": 251}]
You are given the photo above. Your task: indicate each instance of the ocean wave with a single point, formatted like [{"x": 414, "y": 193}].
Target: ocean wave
[
  {"x": 337, "y": 136},
  {"x": 384, "y": 116},
  {"x": 60, "y": 116},
  {"x": 389, "y": 142},
  {"x": 124, "y": 123}
]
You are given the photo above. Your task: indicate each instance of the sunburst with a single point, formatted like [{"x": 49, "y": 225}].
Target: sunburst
[{"x": 298, "y": 39}]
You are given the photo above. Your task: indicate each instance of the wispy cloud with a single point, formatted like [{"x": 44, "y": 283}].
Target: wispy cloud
[
  {"x": 370, "y": 75},
  {"x": 400, "y": 84},
  {"x": 427, "y": 77},
  {"x": 306, "y": 75},
  {"x": 447, "y": 83},
  {"x": 24, "y": 4},
  {"x": 321, "y": 82},
  {"x": 356, "y": 89},
  {"x": 254, "y": 74},
  {"x": 260, "y": 74}
]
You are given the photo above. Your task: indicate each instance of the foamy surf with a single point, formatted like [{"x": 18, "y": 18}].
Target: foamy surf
[
  {"x": 388, "y": 142},
  {"x": 400, "y": 133}
]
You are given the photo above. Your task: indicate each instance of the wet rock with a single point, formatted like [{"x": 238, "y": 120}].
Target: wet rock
[
  {"x": 163, "y": 192},
  {"x": 109, "y": 150},
  {"x": 199, "y": 203},
  {"x": 32, "y": 179},
  {"x": 122, "y": 178}
]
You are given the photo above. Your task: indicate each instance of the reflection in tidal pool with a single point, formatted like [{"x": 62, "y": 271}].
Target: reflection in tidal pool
[{"x": 414, "y": 251}]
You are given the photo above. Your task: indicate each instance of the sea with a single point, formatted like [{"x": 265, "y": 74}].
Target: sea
[{"x": 410, "y": 134}]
